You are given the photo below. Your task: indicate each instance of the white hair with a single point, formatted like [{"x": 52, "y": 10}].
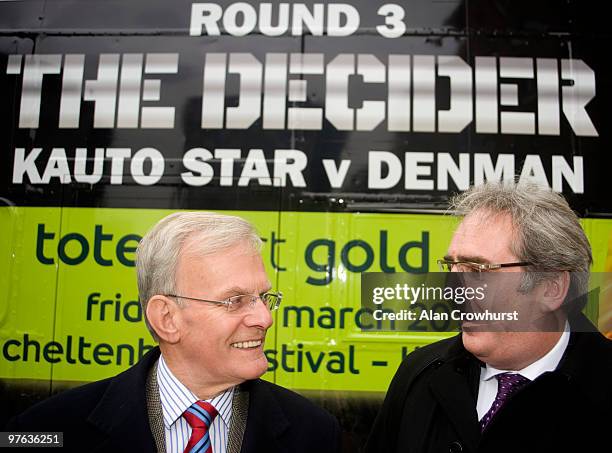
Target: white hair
[{"x": 205, "y": 233}]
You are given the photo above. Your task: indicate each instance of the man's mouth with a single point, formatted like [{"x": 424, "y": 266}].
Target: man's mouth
[
  {"x": 472, "y": 325},
  {"x": 247, "y": 344},
  {"x": 482, "y": 326}
]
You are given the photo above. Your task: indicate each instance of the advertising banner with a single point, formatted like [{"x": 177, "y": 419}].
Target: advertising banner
[{"x": 340, "y": 130}]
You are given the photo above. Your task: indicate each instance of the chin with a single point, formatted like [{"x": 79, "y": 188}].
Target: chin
[
  {"x": 478, "y": 343},
  {"x": 255, "y": 369},
  {"x": 253, "y": 374}
]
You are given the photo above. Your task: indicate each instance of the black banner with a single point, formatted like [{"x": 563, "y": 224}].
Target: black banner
[{"x": 363, "y": 106}]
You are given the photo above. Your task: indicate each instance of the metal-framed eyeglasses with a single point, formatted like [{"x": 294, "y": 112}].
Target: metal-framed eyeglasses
[
  {"x": 241, "y": 302},
  {"x": 468, "y": 266}
]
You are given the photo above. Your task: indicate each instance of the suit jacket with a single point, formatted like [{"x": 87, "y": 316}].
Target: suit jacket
[
  {"x": 113, "y": 415},
  {"x": 431, "y": 404}
]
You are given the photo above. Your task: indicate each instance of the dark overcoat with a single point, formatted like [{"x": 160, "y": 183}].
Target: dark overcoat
[
  {"x": 111, "y": 416},
  {"x": 431, "y": 403}
]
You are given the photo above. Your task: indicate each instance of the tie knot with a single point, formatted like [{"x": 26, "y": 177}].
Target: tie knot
[
  {"x": 200, "y": 415},
  {"x": 510, "y": 382},
  {"x": 507, "y": 385}
]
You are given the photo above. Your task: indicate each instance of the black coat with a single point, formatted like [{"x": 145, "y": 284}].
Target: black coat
[
  {"x": 431, "y": 404},
  {"x": 111, "y": 415}
]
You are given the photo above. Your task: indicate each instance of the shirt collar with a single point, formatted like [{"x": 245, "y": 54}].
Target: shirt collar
[
  {"x": 176, "y": 398},
  {"x": 548, "y": 362}
]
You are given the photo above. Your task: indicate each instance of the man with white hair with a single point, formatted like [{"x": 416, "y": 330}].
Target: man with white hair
[
  {"x": 499, "y": 390},
  {"x": 207, "y": 300}
]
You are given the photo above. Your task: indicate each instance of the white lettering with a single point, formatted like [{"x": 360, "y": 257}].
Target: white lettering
[
  {"x": 289, "y": 162},
  {"x": 201, "y": 172},
  {"x": 376, "y": 160},
  {"x": 336, "y": 175}
]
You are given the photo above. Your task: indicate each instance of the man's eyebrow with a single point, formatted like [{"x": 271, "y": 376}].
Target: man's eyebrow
[
  {"x": 237, "y": 291},
  {"x": 468, "y": 258},
  {"x": 234, "y": 291}
]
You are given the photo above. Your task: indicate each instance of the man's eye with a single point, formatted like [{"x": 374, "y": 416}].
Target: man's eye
[{"x": 239, "y": 300}]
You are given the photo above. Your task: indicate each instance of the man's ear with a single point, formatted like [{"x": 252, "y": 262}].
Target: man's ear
[
  {"x": 162, "y": 314},
  {"x": 555, "y": 290}
]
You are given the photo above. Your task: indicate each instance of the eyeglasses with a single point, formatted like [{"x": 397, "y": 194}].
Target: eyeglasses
[
  {"x": 468, "y": 266},
  {"x": 241, "y": 302}
]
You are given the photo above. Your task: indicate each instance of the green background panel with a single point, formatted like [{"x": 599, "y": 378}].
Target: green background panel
[
  {"x": 343, "y": 293},
  {"x": 28, "y": 290},
  {"x": 327, "y": 352},
  {"x": 599, "y": 232}
]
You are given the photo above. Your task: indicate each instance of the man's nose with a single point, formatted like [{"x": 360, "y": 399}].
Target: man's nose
[{"x": 259, "y": 315}]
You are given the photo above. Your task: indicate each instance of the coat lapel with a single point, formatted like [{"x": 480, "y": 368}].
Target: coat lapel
[
  {"x": 154, "y": 409},
  {"x": 583, "y": 364},
  {"x": 122, "y": 412},
  {"x": 455, "y": 386},
  {"x": 266, "y": 421},
  {"x": 240, "y": 408}
]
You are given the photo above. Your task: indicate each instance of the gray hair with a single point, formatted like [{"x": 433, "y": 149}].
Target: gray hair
[
  {"x": 548, "y": 233},
  {"x": 205, "y": 233}
]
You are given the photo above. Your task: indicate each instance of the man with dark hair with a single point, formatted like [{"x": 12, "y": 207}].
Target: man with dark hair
[
  {"x": 498, "y": 390},
  {"x": 207, "y": 301}
]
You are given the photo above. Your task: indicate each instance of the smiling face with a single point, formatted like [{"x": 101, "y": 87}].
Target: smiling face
[
  {"x": 216, "y": 348},
  {"x": 484, "y": 237}
]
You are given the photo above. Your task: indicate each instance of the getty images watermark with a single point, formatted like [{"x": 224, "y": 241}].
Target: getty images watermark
[{"x": 487, "y": 301}]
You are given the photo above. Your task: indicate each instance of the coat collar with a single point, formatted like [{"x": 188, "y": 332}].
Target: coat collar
[{"x": 122, "y": 411}]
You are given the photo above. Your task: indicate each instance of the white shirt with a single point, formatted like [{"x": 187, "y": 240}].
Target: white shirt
[
  {"x": 176, "y": 398},
  {"x": 487, "y": 389}
]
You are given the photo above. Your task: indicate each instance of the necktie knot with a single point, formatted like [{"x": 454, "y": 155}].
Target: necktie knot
[
  {"x": 507, "y": 385},
  {"x": 200, "y": 416},
  {"x": 510, "y": 382}
]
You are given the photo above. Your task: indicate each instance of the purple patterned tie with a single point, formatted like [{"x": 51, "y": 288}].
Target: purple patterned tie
[{"x": 508, "y": 384}]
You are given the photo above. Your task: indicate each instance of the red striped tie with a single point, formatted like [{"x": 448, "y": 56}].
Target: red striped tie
[{"x": 200, "y": 416}]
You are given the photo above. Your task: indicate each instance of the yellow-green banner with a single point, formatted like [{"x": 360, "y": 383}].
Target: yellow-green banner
[{"x": 70, "y": 307}]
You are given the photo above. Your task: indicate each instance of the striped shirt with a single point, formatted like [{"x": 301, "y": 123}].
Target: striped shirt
[{"x": 176, "y": 398}]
